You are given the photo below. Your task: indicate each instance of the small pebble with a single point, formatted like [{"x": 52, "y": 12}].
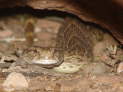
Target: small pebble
[
  {"x": 120, "y": 68},
  {"x": 15, "y": 81}
]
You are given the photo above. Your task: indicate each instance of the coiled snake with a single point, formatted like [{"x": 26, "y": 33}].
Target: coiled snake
[{"x": 72, "y": 42}]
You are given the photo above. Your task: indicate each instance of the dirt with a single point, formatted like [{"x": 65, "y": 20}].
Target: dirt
[{"x": 92, "y": 76}]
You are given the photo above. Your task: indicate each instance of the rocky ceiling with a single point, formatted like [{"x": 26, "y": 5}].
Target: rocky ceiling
[{"x": 107, "y": 13}]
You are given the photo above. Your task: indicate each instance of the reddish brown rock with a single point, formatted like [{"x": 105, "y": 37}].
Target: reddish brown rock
[{"x": 107, "y": 13}]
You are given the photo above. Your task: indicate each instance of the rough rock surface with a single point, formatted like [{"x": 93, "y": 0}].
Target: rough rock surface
[
  {"x": 107, "y": 13},
  {"x": 15, "y": 81}
]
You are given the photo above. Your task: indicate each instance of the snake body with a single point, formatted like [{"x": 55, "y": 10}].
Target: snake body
[
  {"x": 74, "y": 37},
  {"x": 72, "y": 41}
]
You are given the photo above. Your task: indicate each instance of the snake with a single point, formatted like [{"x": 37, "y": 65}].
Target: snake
[{"x": 71, "y": 44}]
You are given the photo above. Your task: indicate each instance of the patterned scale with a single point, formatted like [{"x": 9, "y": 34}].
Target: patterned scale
[{"x": 74, "y": 38}]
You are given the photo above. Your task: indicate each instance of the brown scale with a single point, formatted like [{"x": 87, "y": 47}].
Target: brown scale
[{"x": 29, "y": 32}]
